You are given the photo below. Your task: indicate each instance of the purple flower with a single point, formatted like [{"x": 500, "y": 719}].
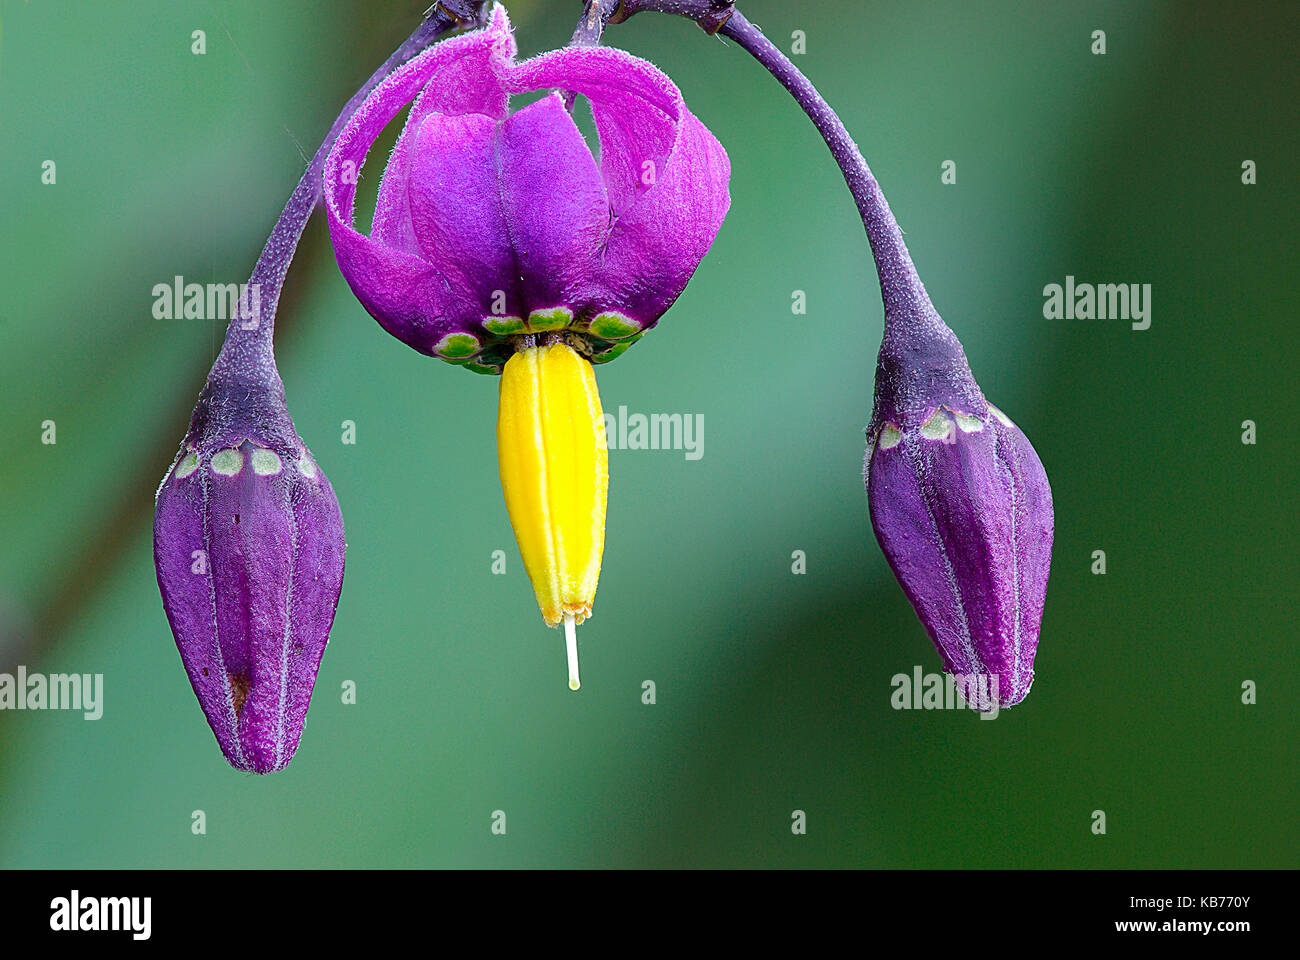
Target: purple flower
[
  {"x": 490, "y": 226},
  {"x": 248, "y": 547},
  {"x": 959, "y": 500}
]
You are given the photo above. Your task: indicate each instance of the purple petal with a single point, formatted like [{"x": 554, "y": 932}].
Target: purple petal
[
  {"x": 665, "y": 175},
  {"x": 186, "y": 586},
  {"x": 461, "y": 82},
  {"x": 411, "y": 298},
  {"x": 456, "y": 209},
  {"x": 317, "y": 581},
  {"x": 250, "y": 549},
  {"x": 655, "y": 246},
  {"x": 555, "y": 204}
]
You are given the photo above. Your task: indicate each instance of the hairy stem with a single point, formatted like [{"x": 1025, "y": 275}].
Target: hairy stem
[
  {"x": 904, "y": 296},
  {"x": 246, "y": 352}
]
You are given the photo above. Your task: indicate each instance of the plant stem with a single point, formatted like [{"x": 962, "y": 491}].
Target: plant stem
[
  {"x": 904, "y": 295},
  {"x": 247, "y": 353}
]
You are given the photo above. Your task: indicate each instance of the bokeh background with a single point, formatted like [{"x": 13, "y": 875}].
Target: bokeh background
[{"x": 773, "y": 689}]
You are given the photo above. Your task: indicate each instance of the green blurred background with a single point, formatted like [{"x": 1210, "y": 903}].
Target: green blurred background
[{"x": 773, "y": 689}]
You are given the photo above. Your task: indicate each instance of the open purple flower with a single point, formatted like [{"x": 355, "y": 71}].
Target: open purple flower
[
  {"x": 248, "y": 548},
  {"x": 491, "y": 226},
  {"x": 499, "y": 243}
]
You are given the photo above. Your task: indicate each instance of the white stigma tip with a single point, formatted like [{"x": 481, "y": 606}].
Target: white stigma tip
[{"x": 571, "y": 645}]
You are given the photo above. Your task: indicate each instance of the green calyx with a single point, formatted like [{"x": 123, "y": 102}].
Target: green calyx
[
  {"x": 615, "y": 350},
  {"x": 457, "y": 346},
  {"x": 541, "y": 321},
  {"x": 613, "y": 326},
  {"x": 505, "y": 326},
  {"x": 599, "y": 337}
]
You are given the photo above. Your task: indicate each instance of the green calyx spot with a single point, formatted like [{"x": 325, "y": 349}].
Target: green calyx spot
[
  {"x": 187, "y": 466},
  {"x": 611, "y": 325},
  {"x": 615, "y": 351},
  {"x": 968, "y": 424},
  {"x": 307, "y": 467},
  {"x": 504, "y": 326},
  {"x": 227, "y": 463},
  {"x": 457, "y": 346},
  {"x": 890, "y": 437},
  {"x": 938, "y": 427},
  {"x": 557, "y": 318},
  {"x": 266, "y": 463}
]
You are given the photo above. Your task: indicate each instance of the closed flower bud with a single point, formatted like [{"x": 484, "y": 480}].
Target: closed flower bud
[
  {"x": 961, "y": 507},
  {"x": 248, "y": 538},
  {"x": 248, "y": 547}
]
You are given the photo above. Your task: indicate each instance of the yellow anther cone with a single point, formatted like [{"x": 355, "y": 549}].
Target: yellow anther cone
[{"x": 555, "y": 477}]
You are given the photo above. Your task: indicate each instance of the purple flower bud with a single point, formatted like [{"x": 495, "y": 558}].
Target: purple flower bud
[
  {"x": 248, "y": 539},
  {"x": 491, "y": 225},
  {"x": 959, "y": 502},
  {"x": 248, "y": 547}
]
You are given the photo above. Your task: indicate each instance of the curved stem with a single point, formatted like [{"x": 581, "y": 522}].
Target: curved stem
[
  {"x": 247, "y": 349},
  {"x": 905, "y": 298},
  {"x": 898, "y": 279}
]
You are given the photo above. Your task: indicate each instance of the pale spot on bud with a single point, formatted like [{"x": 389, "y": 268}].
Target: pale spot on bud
[
  {"x": 939, "y": 427},
  {"x": 187, "y": 466},
  {"x": 266, "y": 463},
  {"x": 227, "y": 463},
  {"x": 889, "y": 437}
]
